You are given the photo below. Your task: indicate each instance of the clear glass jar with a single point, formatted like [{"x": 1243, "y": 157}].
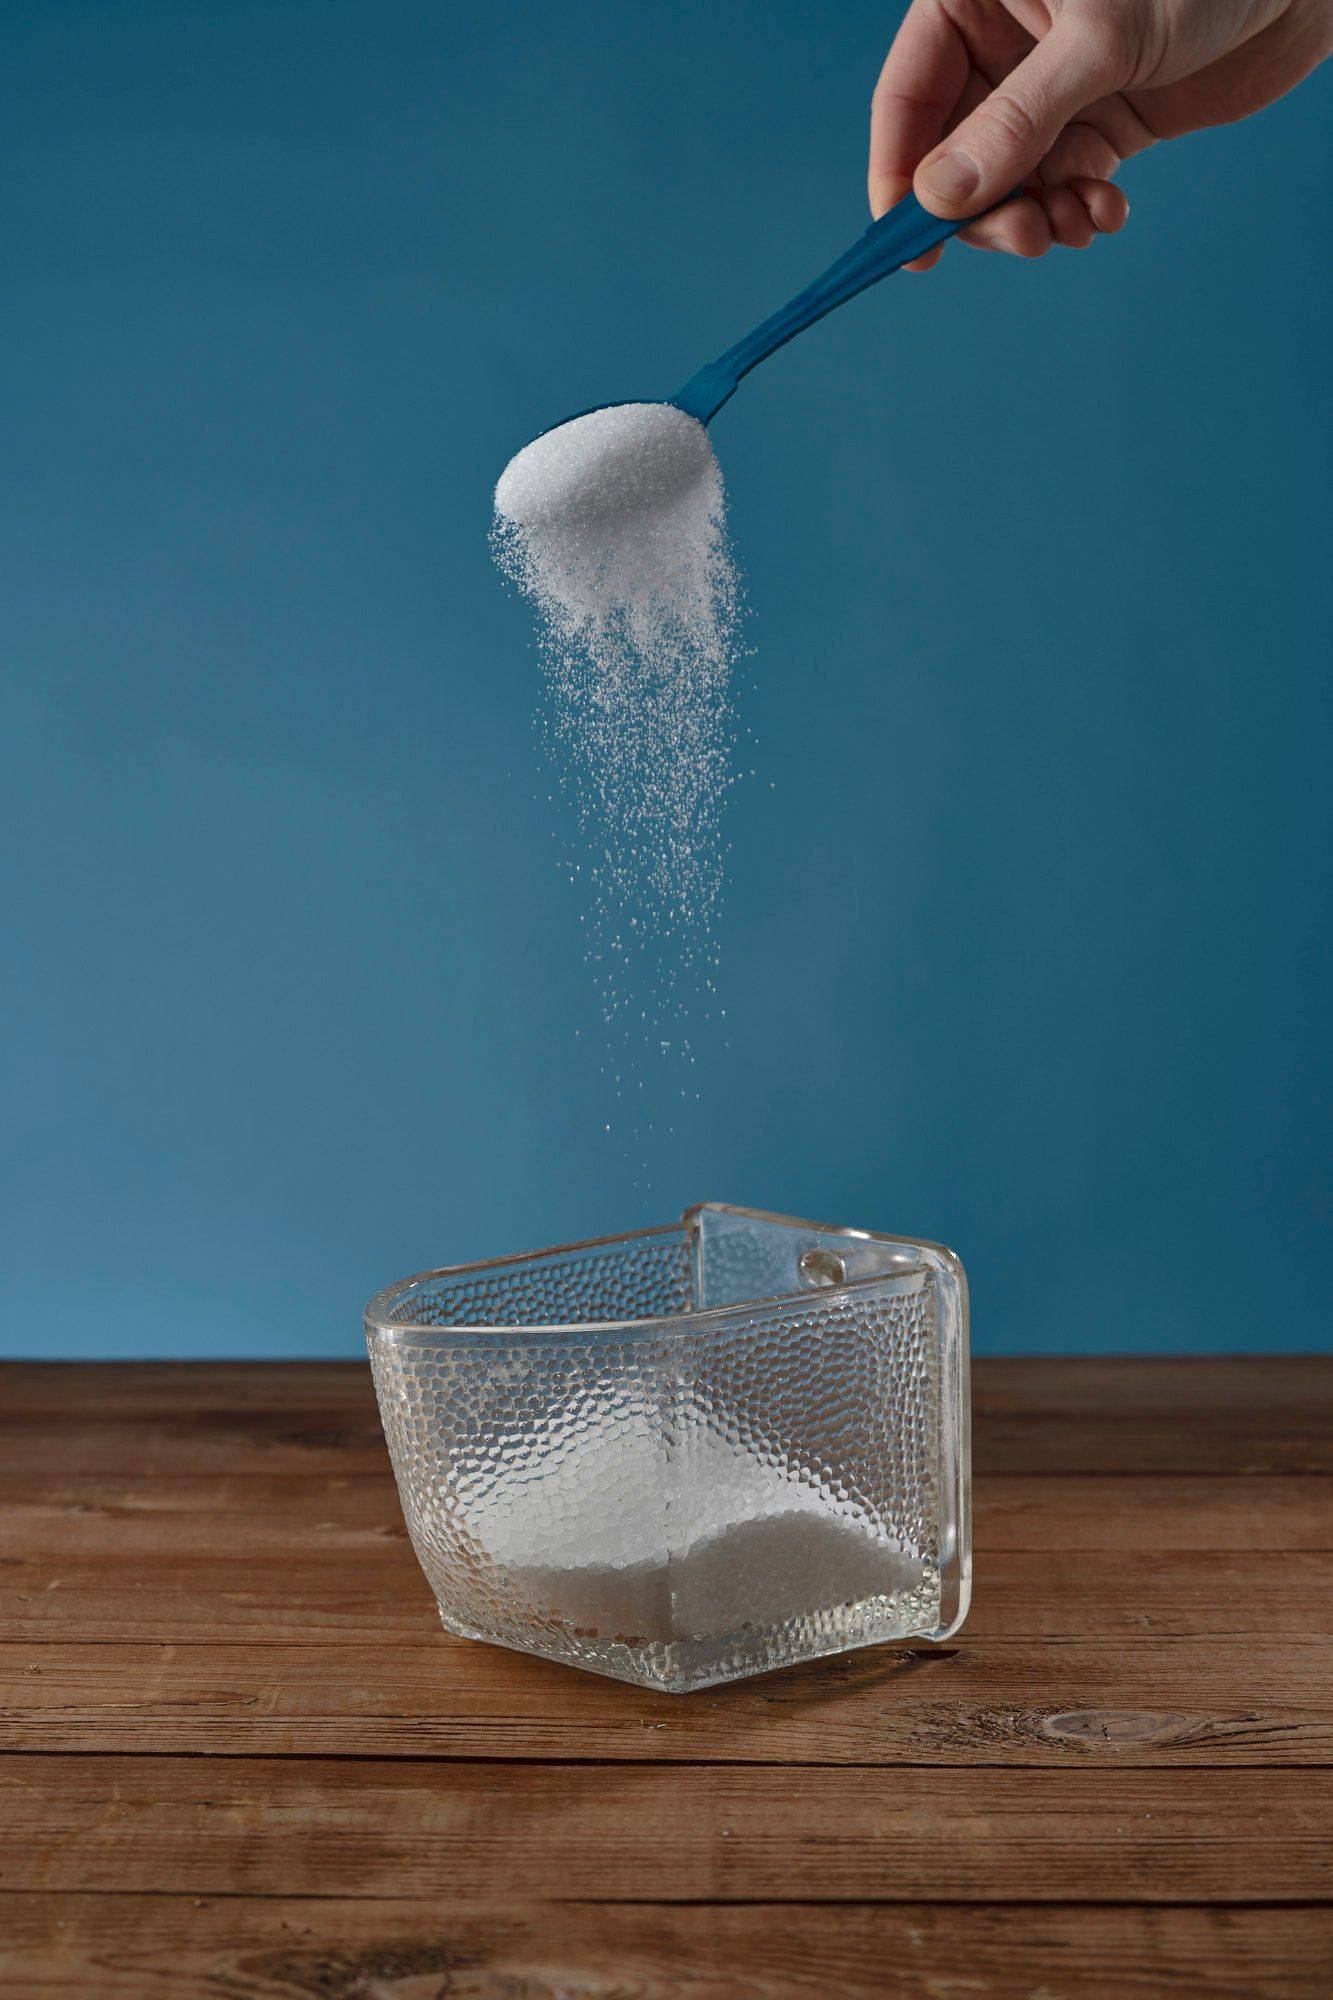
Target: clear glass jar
[{"x": 690, "y": 1453}]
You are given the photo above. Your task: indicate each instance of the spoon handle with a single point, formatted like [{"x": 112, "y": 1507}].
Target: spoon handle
[{"x": 907, "y": 231}]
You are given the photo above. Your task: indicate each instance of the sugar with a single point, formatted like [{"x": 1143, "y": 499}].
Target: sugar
[
  {"x": 595, "y": 1541},
  {"x": 607, "y": 469},
  {"x": 613, "y": 526},
  {"x": 748, "y": 1574}
]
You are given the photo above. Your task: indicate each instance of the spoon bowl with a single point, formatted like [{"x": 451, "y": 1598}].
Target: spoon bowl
[{"x": 579, "y": 476}]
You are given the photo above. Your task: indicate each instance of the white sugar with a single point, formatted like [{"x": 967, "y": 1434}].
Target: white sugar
[
  {"x": 613, "y": 526},
  {"x": 609, "y": 468},
  {"x": 593, "y": 1539}
]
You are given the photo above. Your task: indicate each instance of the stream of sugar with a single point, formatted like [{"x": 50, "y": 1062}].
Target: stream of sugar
[{"x": 612, "y": 525}]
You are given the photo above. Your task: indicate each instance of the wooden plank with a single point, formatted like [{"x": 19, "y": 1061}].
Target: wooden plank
[
  {"x": 316, "y": 1590},
  {"x": 55, "y": 1511},
  {"x": 1230, "y": 1415},
  {"x": 210, "y": 1561},
  {"x": 187, "y": 1948},
  {"x": 197, "y": 1418},
  {"x": 1033, "y": 1417},
  {"x": 165, "y": 1517},
  {"x": 1174, "y": 1702},
  {"x": 236, "y": 1393},
  {"x": 1106, "y": 1512},
  {"x": 616, "y": 1832}
]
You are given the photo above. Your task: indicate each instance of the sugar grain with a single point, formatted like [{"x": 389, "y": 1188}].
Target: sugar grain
[{"x": 613, "y": 526}]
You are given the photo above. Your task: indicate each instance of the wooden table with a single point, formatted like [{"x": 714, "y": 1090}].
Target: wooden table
[{"x": 242, "y": 1759}]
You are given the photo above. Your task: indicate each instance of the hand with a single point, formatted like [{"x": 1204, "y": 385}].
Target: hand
[{"x": 1049, "y": 96}]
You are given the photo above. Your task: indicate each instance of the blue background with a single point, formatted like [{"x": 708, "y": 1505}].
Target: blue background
[{"x": 1026, "y": 943}]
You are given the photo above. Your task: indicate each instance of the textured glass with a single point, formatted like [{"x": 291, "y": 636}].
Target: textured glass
[{"x": 689, "y": 1454}]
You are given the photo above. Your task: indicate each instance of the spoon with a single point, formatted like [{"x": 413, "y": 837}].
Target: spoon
[
  {"x": 578, "y": 471},
  {"x": 904, "y": 233}
]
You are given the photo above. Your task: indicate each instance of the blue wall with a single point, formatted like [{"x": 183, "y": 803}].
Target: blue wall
[{"x": 1026, "y": 946}]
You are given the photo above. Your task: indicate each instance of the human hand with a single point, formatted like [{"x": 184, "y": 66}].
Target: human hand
[{"x": 1049, "y": 96}]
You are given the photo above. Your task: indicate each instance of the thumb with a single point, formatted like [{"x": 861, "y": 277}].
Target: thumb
[{"x": 999, "y": 144}]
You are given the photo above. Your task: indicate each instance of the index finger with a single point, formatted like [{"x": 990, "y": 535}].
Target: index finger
[{"x": 923, "y": 77}]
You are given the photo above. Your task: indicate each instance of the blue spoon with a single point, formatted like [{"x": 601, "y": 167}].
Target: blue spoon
[{"x": 907, "y": 231}]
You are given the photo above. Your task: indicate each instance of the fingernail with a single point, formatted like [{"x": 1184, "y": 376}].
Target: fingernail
[{"x": 952, "y": 177}]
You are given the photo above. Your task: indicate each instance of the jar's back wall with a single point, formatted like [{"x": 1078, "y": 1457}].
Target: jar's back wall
[{"x": 648, "y": 1276}]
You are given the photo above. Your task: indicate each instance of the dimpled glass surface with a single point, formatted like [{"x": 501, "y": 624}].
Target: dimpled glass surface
[{"x": 679, "y": 1457}]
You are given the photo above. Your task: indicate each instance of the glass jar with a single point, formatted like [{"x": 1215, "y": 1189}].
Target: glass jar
[{"x": 690, "y": 1453}]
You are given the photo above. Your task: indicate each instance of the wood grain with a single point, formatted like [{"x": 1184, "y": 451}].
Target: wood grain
[
  {"x": 636, "y": 1832},
  {"x": 286, "y": 1948},
  {"x": 1034, "y": 1417},
  {"x": 244, "y": 1760},
  {"x": 51, "y": 1510},
  {"x": 1192, "y": 1414},
  {"x": 1269, "y": 1705},
  {"x": 326, "y": 1589}
]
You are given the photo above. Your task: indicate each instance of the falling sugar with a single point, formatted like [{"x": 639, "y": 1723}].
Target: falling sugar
[{"x": 613, "y": 526}]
